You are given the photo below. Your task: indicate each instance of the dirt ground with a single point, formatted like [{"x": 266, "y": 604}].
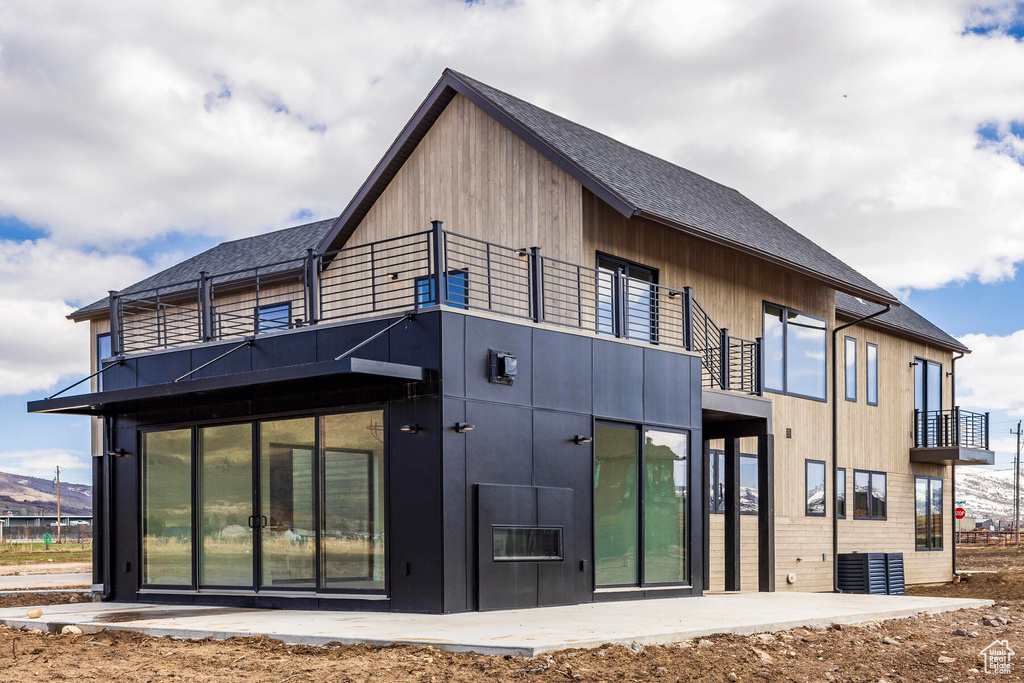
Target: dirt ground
[{"x": 944, "y": 647}]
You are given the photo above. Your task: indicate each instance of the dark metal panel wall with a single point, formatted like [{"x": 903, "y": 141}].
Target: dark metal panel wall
[
  {"x": 459, "y": 575},
  {"x": 618, "y": 387},
  {"x": 124, "y": 517},
  {"x": 668, "y": 389},
  {"x": 483, "y": 334},
  {"x": 563, "y": 372}
]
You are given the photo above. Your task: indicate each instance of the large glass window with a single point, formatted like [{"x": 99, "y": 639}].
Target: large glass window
[
  {"x": 850, "y": 356},
  {"x": 665, "y": 506},
  {"x": 287, "y": 536},
  {"x": 274, "y": 317},
  {"x": 456, "y": 284},
  {"x": 226, "y": 511},
  {"x": 869, "y": 497},
  {"x": 928, "y": 513},
  {"x": 616, "y": 505},
  {"x": 167, "y": 508},
  {"x": 795, "y": 352},
  {"x": 872, "y": 375},
  {"x": 814, "y": 471},
  {"x": 352, "y": 536}
]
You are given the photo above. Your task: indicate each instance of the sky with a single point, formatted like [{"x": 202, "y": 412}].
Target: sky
[{"x": 133, "y": 135}]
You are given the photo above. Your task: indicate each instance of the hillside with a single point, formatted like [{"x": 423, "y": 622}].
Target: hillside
[
  {"x": 988, "y": 493},
  {"x": 32, "y": 495}
]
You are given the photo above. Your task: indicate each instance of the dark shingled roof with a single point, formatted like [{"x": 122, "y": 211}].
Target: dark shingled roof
[
  {"x": 632, "y": 181},
  {"x": 271, "y": 247},
  {"x": 901, "y": 319}
]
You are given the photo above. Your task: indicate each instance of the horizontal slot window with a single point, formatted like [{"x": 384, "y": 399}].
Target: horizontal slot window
[{"x": 527, "y": 544}]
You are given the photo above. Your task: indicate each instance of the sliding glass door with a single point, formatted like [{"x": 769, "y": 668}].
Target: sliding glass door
[{"x": 272, "y": 505}]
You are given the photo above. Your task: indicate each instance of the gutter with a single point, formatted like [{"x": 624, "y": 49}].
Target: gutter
[
  {"x": 835, "y": 438},
  {"x": 952, "y": 469}
]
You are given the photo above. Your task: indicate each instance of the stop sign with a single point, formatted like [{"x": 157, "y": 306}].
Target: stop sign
[{"x": 961, "y": 513}]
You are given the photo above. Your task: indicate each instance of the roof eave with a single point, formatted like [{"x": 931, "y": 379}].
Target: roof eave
[
  {"x": 902, "y": 331},
  {"x": 835, "y": 283}
]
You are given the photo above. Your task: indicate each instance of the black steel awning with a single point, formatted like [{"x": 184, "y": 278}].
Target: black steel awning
[{"x": 347, "y": 373}]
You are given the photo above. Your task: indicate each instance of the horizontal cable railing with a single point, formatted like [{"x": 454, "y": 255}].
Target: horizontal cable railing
[
  {"x": 429, "y": 268},
  {"x": 158, "y": 317},
  {"x": 390, "y": 275},
  {"x": 487, "y": 277},
  {"x": 950, "y": 428}
]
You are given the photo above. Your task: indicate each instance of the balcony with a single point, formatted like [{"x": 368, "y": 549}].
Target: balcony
[
  {"x": 430, "y": 268},
  {"x": 951, "y": 437}
]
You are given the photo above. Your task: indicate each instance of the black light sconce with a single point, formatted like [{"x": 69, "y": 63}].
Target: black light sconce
[
  {"x": 672, "y": 294},
  {"x": 581, "y": 439},
  {"x": 118, "y": 453},
  {"x": 523, "y": 253},
  {"x": 463, "y": 427},
  {"x": 392, "y": 276},
  {"x": 913, "y": 363},
  {"x": 409, "y": 428}
]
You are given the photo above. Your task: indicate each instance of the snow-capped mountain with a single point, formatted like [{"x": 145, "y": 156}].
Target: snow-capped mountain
[{"x": 988, "y": 493}]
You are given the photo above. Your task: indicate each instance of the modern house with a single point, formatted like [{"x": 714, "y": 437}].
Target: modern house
[{"x": 527, "y": 365}]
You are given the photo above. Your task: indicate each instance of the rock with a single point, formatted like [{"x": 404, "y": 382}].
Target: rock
[
  {"x": 811, "y": 638},
  {"x": 960, "y": 632},
  {"x": 34, "y": 613},
  {"x": 72, "y": 630},
  {"x": 836, "y": 627},
  {"x": 765, "y": 657},
  {"x": 72, "y": 599},
  {"x": 802, "y": 632},
  {"x": 888, "y": 640},
  {"x": 36, "y": 631},
  {"x": 945, "y": 660},
  {"x": 972, "y": 634}
]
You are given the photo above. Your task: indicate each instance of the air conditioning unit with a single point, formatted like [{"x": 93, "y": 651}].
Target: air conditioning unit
[{"x": 873, "y": 573}]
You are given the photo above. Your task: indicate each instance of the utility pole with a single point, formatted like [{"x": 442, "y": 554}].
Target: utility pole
[
  {"x": 58, "y": 500},
  {"x": 1016, "y": 489}
]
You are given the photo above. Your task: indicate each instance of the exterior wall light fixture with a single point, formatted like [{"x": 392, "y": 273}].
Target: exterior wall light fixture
[
  {"x": 410, "y": 428},
  {"x": 392, "y": 276},
  {"x": 581, "y": 439},
  {"x": 463, "y": 427},
  {"x": 522, "y": 253}
]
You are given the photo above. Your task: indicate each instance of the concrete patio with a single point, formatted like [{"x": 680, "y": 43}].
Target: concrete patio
[{"x": 516, "y": 632}]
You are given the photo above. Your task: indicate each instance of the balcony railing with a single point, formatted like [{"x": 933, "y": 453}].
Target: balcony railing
[
  {"x": 951, "y": 428},
  {"x": 429, "y": 268}
]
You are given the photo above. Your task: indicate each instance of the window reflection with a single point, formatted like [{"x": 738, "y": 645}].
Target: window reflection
[{"x": 167, "y": 508}]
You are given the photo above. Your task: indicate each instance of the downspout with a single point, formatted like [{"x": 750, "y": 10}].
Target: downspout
[
  {"x": 835, "y": 439},
  {"x": 952, "y": 469}
]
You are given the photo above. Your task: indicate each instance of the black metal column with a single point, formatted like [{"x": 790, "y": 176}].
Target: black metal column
[
  {"x": 766, "y": 512},
  {"x": 706, "y": 514},
  {"x": 732, "y": 514}
]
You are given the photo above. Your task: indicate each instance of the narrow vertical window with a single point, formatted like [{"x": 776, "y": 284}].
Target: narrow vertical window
[
  {"x": 616, "y": 463},
  {"x": 666, "y": 495},
  {"x": 102, "y": 351},
  {"x": 850, "y": 354},
  {"x": 841, "y": 493},
  {"x": 814, "y": 471},
  {"x": 872, "y": 375},
  {"x": 928, "y": 513},
  {"x": 167, "y": 508},
  {"x": 748, "y": 485}
]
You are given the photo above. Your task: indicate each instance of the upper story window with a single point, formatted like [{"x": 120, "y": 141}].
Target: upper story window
[
  {"x": 627, "y": 312},
  {"x": 850, "y": 354},
  {"x": 102, "y": 351},
  {"x": 794, "y": 353},
  {"x": 456, "y": 284},
  {"x": 872, "y": 374},
  {"x": 274, "y": 317}
]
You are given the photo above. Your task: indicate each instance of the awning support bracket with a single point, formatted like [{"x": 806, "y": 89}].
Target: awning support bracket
[
  {"x": 247, "y": 342},
  {"x": 118, "y": 361}
]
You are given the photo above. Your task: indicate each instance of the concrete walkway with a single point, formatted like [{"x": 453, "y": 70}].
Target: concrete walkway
[
  {"x": 523, "y": 632},
  {"x": 62, "y": 580}
]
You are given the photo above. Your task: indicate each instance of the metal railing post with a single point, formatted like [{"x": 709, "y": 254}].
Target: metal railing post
[
  {"x": 116, "y": 323},
  {"x": 758, "y": 367},
  {"x": 440, "y": 261},
  {"x": 688, "y": 318},
  {"x": 956, "y": 426},
  {"x": 619, "y": 304},
  {"x": 986, "y": 432},
  {"x": 205, "y": 308},
  {"x": 312, "y": 287},
  {"x": 917, "y": 428},
  {"x": 537, "y": 284},
  {"x": 724, "y": 370}
]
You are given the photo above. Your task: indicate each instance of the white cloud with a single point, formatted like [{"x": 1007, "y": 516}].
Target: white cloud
[
  {"x": 991, "y": 376},
  {"x": 40, "y": 284},
  {"x": 42, "y": 462},
  {"x": 855, "y": 122}
]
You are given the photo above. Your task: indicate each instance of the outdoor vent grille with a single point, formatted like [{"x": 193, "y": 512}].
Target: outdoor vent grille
[{"x": 873, "y": 573}]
